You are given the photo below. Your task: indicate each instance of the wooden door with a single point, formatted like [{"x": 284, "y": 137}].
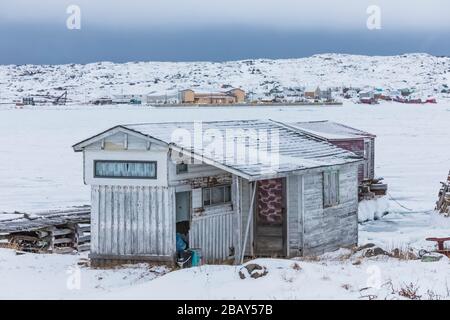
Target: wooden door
[{"x": 270, "y": 219}]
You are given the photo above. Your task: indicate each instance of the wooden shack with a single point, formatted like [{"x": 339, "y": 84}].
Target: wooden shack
[
  {"x": 357, "y": 141},
  {"x": 286, "y": 194}
]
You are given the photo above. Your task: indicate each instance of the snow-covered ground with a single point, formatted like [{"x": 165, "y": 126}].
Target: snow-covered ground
[
  {"x": 46, "y": 276},
  {"x": 338, "y": 275},
  {"x": 333, "y": 277},
  {"x": 39, "y": 171}
]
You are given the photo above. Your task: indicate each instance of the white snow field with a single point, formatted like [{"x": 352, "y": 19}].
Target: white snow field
[{"x": 39, "y": 171}]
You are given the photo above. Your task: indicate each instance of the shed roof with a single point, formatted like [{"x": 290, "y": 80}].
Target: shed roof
[
  {"x": 330, "y": 130},
  {"x": 287, "y": 149}
]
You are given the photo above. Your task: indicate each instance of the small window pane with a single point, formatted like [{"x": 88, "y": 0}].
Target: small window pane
[
  {"x": 125, "y": 169},
  {"x": 217, "y": 195},
  {"x": 227, "y": 193},
  {"x": 330, "y": 188},
  {"x": 182, "y": 168},
  {"x": 206, "y": 197}
]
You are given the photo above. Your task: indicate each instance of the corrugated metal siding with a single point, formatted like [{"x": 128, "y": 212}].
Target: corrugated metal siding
[
  {"x": 213, "y": 234},
  {"x": 134, "y": 221}
]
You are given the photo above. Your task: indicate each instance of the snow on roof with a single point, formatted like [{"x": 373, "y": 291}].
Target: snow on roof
[
  {"x": 210, "y": 91},
  {"x": 311, "y": 88},
  {"x": 284, "y": 150},
  {"x": 330, "y": 130}
]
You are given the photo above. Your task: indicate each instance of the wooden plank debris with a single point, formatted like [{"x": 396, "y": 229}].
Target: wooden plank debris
[
  {"x": 371, "y": 189},
  {"x": 64, "y": 231}
]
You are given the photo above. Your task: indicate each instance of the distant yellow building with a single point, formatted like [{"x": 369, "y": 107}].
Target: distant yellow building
[
  {"x": 312, "y": 93},
  {"x": 228, "y": 97}
]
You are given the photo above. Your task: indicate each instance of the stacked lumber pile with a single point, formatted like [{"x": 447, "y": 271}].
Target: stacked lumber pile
[
  {"x": 54, "y": 232},
  {"x": 82, "y": 237},
  {"x": 443, "y": 203},
  {"x": 372, "y": 188}
]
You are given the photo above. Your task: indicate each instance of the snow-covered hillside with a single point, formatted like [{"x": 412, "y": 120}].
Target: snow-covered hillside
[{"x": 427, "y": 74}]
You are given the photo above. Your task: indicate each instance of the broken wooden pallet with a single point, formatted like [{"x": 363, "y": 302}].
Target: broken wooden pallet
[{"x": 49, "y": 232}]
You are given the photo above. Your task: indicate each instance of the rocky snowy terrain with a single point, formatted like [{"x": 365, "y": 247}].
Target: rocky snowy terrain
[
  {"x": 40, "y": 171},
  {"x": 426, "y": 74}
]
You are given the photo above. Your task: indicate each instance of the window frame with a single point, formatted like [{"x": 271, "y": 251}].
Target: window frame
[
  {"x": 122, "y": 177},
  {"x": 326, "y": 189},
  {"x": 181, "y": 172},
  {"x": 224, "y": 186}
]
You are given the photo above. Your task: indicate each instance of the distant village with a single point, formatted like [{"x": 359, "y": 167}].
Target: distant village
[{"x": 228, "y": 95}]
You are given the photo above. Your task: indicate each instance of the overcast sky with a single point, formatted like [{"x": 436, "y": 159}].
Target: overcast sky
[{"x": 34, "y": 31}]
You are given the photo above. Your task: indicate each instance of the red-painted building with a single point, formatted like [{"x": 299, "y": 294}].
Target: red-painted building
[{"x": 357, "y": 141}]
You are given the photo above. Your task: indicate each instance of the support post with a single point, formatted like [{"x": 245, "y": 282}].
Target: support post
[{"x": 249, "y": 220}]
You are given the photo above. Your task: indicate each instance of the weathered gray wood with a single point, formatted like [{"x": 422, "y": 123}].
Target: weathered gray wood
[
  {"x": 135, "y": 220},
  {"x": 249, "y": 219},
  {"x": 237, "y": 221},
  {"x": 330, "y": 228},
  {"x": 62, "y": 240}
]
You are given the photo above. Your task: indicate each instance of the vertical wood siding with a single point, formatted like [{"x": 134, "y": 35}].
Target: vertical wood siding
[
  {"x": 132, "y": 221},
  {"x": 327, "y": 229},
  {"x": 294, "y": 214}
]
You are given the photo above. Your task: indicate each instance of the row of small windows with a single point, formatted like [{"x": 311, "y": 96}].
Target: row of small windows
[
  {"x": 125, "y": 169},
  {"x": 130, "y": 169}
]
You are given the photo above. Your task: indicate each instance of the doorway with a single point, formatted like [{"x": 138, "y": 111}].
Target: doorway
[
  {"x": 183, "y": 213},
  {"x": 270, "y": 222}
]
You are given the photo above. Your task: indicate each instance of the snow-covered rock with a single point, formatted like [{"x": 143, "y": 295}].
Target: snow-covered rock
[{"x": 373, "y": 209}]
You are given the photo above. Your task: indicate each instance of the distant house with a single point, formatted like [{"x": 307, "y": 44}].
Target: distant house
[
  {"x": 357, "y": 141},
  {"x": 312, "y": 93},
  {"x": 350, "y": 93},
  {"x": 367, "y": 97},
  {"x": 326, "y": 95},
  {"x": 145, "y": 99},
  {"x": 149, "y": 188},
  {"x": 226, "y": 97},
  {"x": 129, "y": 98},
  {"x": 163, "y": 99},
  {"x": 102, "y": 101},
  {"x": 406, "y": 92}
]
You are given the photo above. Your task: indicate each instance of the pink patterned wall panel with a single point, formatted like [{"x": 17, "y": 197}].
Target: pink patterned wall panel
[{"x": 270, "y": 201}]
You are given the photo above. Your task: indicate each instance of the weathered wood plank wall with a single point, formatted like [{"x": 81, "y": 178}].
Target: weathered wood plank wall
[
  {"x": 294, "y": 200},
  {"x": 132, "y": 221},
  {"x": 327, "y": 229}
]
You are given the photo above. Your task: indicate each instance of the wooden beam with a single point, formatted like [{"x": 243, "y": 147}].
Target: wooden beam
[{"x": 249, "y": 220}]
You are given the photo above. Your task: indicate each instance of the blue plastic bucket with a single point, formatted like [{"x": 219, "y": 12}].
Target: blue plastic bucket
[{"x": 196, "y": 257}]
